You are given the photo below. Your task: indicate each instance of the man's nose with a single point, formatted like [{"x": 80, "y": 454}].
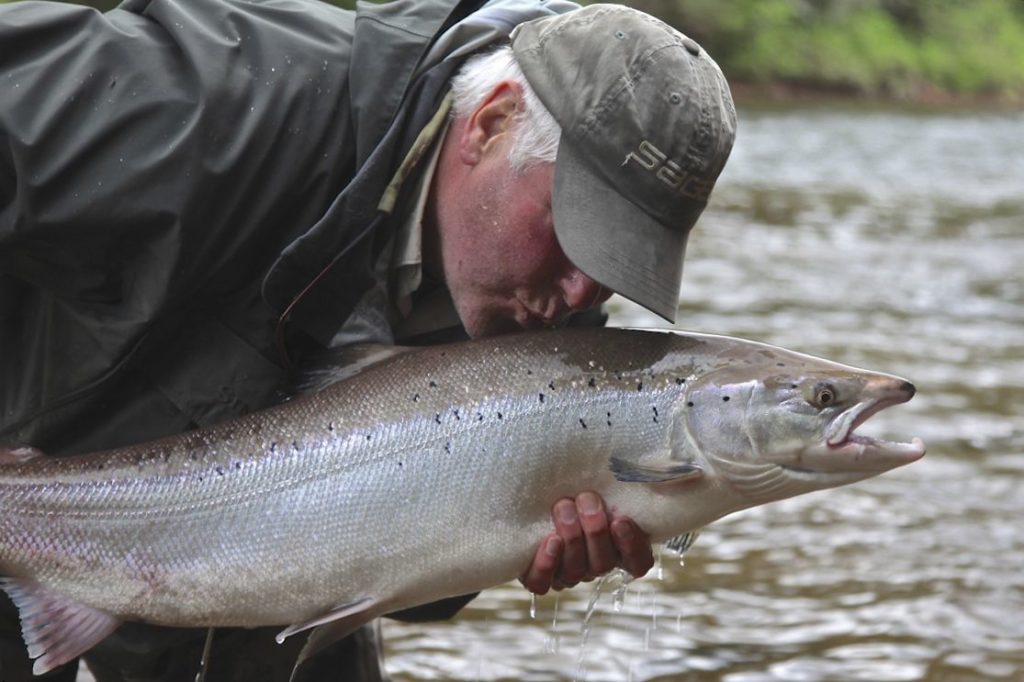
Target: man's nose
[{"x": 582, "y": 293}]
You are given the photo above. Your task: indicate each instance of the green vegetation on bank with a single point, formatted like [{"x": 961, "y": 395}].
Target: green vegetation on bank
[
  {"x": 914, "y": 50},
  {"x": 918, "y": 50}
]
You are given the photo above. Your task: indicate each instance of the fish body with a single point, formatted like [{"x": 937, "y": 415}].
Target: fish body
[{"x": 429, "y": 474}]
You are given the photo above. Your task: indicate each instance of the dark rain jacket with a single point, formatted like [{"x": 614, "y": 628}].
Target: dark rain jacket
[
  {"x": 172, "y": 175},
  {"x": 188, "y": 191}
]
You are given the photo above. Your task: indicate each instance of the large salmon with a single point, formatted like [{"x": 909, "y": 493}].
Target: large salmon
[{"x": 428, "y": 474}]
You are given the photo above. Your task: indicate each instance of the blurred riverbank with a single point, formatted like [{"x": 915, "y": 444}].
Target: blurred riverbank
[
  {"x": 926, "y": 52},
  {"x": 922, "y": 53}
]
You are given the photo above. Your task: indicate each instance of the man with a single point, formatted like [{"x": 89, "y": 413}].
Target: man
[{"x": 196, "y": 197}]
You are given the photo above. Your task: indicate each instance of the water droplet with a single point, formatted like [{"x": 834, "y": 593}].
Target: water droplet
[
  {"x": 618, "y": 597},
  {"x": 553, "y": 641}
]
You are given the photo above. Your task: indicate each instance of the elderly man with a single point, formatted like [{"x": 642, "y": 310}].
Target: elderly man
[{"x": 197, "y": 197}]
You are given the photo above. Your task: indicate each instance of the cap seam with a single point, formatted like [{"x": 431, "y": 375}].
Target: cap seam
[
  {"x": 543, "y": 36},
  {"x": 602, "y": 109}
]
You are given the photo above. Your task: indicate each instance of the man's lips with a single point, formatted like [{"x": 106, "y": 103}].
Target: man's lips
[{"x": 550, "y": 314}]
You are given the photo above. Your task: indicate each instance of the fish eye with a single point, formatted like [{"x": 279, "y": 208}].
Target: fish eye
[{"x": 824, "y": 395}]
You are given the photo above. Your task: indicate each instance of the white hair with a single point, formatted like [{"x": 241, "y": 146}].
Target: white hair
[{"x": 536, "y": 134}]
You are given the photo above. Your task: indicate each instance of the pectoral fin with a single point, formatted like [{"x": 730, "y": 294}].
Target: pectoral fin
[
  {"x": 654, "y": 472},
  {"x": 56, "y": 629}
]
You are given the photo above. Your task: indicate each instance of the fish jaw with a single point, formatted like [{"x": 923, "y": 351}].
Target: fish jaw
[
  {"x": 794, "y": 432},
  {"x": 844, "y": 452}
]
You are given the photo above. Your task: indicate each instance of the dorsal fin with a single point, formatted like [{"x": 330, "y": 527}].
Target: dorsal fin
[
  {"x": 56, "y": 629},
  {"x": 338, "y": 364},
  {"x": 16, "y": 454}
]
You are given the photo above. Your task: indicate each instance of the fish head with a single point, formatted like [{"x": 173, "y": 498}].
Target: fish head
[{"x": 774, "y": 429}]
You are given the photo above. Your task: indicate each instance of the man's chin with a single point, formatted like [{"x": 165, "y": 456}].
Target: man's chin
[
  {"x": 495, "y": 327},
  {"x": 482, "y": 325}
]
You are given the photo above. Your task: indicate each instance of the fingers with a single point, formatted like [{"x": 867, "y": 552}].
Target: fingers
[
  {"x": 633, "y": 545},
  {"x": 540, "y": 576},
  {"x": 585, "y": 526},
  {"x": 601, "y": 553},
  {"x": 588, "y": 541},
  {"x": 574, "y": 556}
]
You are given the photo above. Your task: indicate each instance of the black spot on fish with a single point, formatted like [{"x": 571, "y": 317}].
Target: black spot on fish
[
  {"x": 655, "y": 409},
  {"x": 639, "y": 386},
  {"x": 399, "y": 464},
  {"x": 367, "y": 438},
  {"x": 416, "y": 398},
  {"x": 433, "y": 384},
  {"x": 448, "y": 447},
  {"x": 499, "y": 415},
  {"x": 680, "y": 381},
  {"x": 194, "y": 457},
  {"x": 780, "y": 364},
  {"x": 238, "y": 465},
  {"x": 725, "y": 398},
  {"x": 551, "y": 385},
  {"x": 583, "y": 423},
  {"x": 437, "y": 417},
  {"x": 609, "y": 420},
  {"x": 592, "y": 382},
  {"x": 456, "y": 412},
  {"x": 273, "y": 448},
  {"x": 220, "y": 472},
  {"x": 529, "y": 372},
  {"x": 330, "y": 427},
  {"x": 541, "y": 396},
  {"x": 295, "y": 446},
  {"x": 479, "y": 416},
  {"x": 689, "y": 404}
]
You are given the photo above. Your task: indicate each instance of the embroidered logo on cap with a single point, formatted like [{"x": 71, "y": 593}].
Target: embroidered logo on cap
[{"x": 653, "y": 160}]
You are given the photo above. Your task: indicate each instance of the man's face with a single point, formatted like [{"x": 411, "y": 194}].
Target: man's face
[
  {"x": 505, "y": 270},
  {"x": 495, "y": 238}
]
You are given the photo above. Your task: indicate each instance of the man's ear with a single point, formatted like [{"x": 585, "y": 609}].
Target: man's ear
[{"x": 490, "y": 121}]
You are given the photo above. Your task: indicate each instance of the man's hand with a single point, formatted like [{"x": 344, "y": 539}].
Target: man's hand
[{"x": 588, "y": 542}]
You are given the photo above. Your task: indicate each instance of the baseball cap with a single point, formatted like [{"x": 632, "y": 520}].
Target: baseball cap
[{"x": 647, "y": 125}]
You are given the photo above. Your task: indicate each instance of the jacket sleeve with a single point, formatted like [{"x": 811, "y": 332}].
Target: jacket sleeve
[
  {"x": 152, "y": 157},
  {"x": 155, "y": 126}
]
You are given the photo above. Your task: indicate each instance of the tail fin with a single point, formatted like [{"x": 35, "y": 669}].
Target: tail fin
[{"x": 56, "y": 629}]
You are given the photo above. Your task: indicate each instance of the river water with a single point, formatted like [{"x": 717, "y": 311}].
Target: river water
[{"x": 889, "y": 240}]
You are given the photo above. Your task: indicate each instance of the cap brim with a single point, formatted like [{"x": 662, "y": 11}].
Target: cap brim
[{"x": 612, "y": 240}]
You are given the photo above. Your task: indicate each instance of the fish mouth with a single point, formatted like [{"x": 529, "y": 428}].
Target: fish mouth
[{"x": 842, "y": 450}]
